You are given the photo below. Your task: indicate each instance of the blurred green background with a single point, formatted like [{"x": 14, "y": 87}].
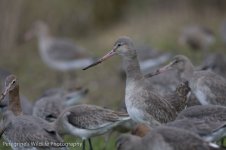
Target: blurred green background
[{"x": 95, "y": 25}]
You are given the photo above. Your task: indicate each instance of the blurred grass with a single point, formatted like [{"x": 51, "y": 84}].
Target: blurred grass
[{"x": 158, "y": 28}]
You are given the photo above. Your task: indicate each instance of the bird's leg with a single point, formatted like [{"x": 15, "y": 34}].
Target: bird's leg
[
  {"x": 106, "y": 139},
  {"x": 59, "y": 76},
  {"x": 83, "y": 144},
  {"x": 222, "y": 142},
  {"x": 90, "y": 144},
  {"x": 2, "y": 130}
]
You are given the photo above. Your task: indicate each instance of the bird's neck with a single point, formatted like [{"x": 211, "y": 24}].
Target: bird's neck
[
  {"x": 59, "y": 126},
  {"x": 14, "y": 101},
  {"x": 44, "y": 38},
  {"x": 188, "y": 72},
  {"x": 132, "y": 67}
]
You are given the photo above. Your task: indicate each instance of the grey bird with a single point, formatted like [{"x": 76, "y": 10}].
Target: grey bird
[
  {"x": 50, "y": 105},
  {"x": 215, "y": 62},
  {"x": 209, "y": 130},
  {"x": 143, "y": 104},
  {"x": 33, "y": 132},
  {"x": 208, "y": 87},
  {"x": 197, "y": 37},
  {"x": 167, "y": 138},
  {"x": 87, "y": 121},
  {"x": 211, "y": 116},
  {"x": 58, "y": 53}
]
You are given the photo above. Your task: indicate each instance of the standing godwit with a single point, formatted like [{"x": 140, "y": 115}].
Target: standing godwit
[
  {"x": 143, "y": 105},
  {"x": 86, "y": 121},
  {"x": 208, "y": 87},
  {"x": 60, "y": 54}
]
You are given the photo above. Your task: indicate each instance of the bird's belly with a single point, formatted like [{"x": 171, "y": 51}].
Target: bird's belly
[
  {"x": 132, "y": 101},
  {"x": 201, "y": 97},
  {"x": 85, "y": 133},
  {"x": 136, "y": 114}
]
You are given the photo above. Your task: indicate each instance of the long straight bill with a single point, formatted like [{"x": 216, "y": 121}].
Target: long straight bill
[{"x": 108, "y": 55}]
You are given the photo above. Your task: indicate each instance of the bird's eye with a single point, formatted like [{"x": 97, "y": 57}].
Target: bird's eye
[
  {"x": 14, "y": 82},
  {"x": 176, "y": 61},
  {"x": 119, "y": 44}
]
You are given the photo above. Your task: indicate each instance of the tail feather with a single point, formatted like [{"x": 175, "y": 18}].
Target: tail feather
[{"x": 217, "y": 134}]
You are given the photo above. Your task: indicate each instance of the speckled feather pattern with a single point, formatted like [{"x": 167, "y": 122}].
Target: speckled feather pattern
[
  {"x": 93, "y": 117},
  {"x": 178, "y": 99},
  {"x": 209, "y": 112}
]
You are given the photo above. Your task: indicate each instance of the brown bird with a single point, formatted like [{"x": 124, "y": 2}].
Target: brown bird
[
  {"x": 19, "y": 128},
  {"x": 179, "y": 98},
  {"x": 140, "y": 130}
]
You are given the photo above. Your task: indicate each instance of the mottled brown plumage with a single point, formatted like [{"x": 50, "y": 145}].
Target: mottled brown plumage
[
  {"x": 143, "y": 105},
  {"x": 86, "y": 121},
  {"x": 179, "y": 98}
]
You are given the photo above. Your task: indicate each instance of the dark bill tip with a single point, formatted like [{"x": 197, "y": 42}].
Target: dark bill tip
[
  {"x": 93, "y": 64},
  {"x": 149, "y": 75}
]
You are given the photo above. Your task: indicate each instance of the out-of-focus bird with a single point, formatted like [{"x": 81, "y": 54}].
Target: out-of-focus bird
[
  {"x": 60, "y": 54},
  {"x": 197, "y": 37},
  {"x": 53, "y": 102},
  {"x": 215, "y": 62}
]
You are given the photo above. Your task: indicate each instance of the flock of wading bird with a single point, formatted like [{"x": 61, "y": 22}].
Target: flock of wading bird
[{"x": 174, "y": 107}]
